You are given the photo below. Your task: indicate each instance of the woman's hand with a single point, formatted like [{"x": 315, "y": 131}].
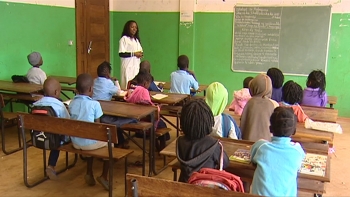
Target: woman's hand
[{"x": 138, "y": 54}]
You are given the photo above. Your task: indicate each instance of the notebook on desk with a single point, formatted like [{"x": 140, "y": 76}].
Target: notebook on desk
[{"x": 159, "y": 96}]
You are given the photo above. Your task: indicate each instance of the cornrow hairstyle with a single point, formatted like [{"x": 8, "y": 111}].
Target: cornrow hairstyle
[
  {"x": 276, "y": 76},
  {"x": 126, "y": 30},
  {"x": 246, "y": 82},
  {"x": 292, "y": 93},
  {"x": 283, "y": 122},
  {"x": 142, "y": 77},
  {"x": 104, "y": 69},
  {"x": 317, "y": 79},
  {"x": 196, "y": 119}
]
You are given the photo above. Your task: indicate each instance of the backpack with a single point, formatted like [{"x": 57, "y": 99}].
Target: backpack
[
  {"x": 44, "y": 140},
  {"x": 213, "y": 178},
  {"x": 226, "y": 126},
  {"x": 19, "y": 79}
]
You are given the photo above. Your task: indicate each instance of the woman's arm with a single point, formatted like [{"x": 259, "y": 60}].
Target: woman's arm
[{"x": 138, "y": 54}]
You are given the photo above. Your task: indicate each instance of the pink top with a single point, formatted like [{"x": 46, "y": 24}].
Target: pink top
[
  {"x": 241, "y": 97},
  {"x": 298, "y": 111}
]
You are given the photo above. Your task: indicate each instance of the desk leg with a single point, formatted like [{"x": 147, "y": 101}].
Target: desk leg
[
  {"x": 331, "y": 105},
  {"x": 317, "y": 195},
  {"x": 151, "y": 149}
]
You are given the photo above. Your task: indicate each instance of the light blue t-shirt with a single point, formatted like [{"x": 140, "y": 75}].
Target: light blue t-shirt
[
  {"x": 83, "y": 108},
  {"x": 182, "y": 82},
  {"x": 104, "y": 89},
  {"x": 57, "y": 105},
  {"x": 278, "y": 163}
]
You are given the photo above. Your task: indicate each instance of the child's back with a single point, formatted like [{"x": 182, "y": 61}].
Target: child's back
[
  {"x": 277, "y": 161},
  {"x": 104, "y": 88},
  {"x": 241, "y": 97},
  {"x": 182, "y": 80},
  {"x": 315, "y": 93},
  {"x": 35, "y": 74}
]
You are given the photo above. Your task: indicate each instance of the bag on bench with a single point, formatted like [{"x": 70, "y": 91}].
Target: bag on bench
[
  {"x": 19, "y": 79},
  {"x": 44, "y": 140}
]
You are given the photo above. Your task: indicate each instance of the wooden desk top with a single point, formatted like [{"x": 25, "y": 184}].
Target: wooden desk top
[
  {"x": 65, "y": 80},
  {"x": 19, "y": 87},
  {"x": 332, "y": 100},
  {"x": 230, "y": 146},
  {"x": 126, "y": 110}
]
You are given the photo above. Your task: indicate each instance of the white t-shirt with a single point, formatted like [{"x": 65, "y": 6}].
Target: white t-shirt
[
  {"x": 217, "y": 128},
  {"x": 130, "y": 65},
  {"x": 36, "y": 75}
]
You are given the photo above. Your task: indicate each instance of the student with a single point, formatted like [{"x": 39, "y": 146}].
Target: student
[
  {"x": 145, "y": 66},
  {"x": 196, "y": 149},
  {"x": 256, "y": 114},
  {"x": 104, "y": 89},
  {"x": 241, "y": 97},
  {"x": 183, "y": 80},
  {"x": 224, "y": 125},
  {"x": 52, "y": 91},
  {"x": 292, "y": 94},
  {"x": 83, "y": 108},
  {"x": 130, "y": 52},
  {"x": 277, "y": 79},
  {"x": 315, "y": 93},
  {"x": 35, "y": 74},
  {"x": 277, "y": 161},
  {"x": 140, "y": 95}
]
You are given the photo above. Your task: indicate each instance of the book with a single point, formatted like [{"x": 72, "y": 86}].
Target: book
[
  {"x": 314, "y": 164},
  {"x": 159, "y": 96},
  {"x": 241, "y": 155}
]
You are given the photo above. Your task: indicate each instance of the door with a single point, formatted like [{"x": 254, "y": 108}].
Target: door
[{"x": 92, "y": 34}]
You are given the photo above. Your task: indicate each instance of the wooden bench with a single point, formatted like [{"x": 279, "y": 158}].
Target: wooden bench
[
  {"x": 321, "y": 114},
  {"x": 140, "y": 186},
  {"x": 68, "y": 127}
]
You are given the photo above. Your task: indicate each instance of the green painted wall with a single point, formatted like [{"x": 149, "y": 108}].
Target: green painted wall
[{"x": 47, "y": 29}]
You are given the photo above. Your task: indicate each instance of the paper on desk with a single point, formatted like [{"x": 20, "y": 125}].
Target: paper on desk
[
  {"x": 323, "y": 126},
  {"x": 158, "y": 82},
  {"x": 122, "y": 93},
  {"x": 159, "y": 96},
  {"x": 67, "y": 102}
]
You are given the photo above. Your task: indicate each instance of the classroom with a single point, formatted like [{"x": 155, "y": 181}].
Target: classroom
[{"x": 201, "y": 29}]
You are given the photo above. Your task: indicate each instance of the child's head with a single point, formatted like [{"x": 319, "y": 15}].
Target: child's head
[
  {"x": 283, "y": 122},
  {"x": 196, "y": 119},
  {"x": 216, "y": 98},
  {"x": 145, "y": 65},
  {"x": 131, "y": 29},
  {"x": 292, "y": 93},
  {"x": 35, "y": 59},
  {"x": 183, "y": 62},
  {"x": 52, "y": 88},
  {"x": 317, "y": 79},
  {"x": 104, "y": 69},
  {"x": 261, "y": 86},
  {"x": 246, "y": 82},
  {"x": 84, "y": 84},
  {"x": 276, "y": 76},
  {"x": 144, "y": 79}
]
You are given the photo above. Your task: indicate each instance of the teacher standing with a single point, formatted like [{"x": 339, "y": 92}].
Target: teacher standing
[{"x": 130, "y": 52}]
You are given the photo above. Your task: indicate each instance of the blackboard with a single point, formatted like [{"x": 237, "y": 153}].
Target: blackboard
[{"x": 293, "y": 39}]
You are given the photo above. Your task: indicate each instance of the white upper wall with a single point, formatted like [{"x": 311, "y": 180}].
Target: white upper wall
[{"x": 338, "y": 6}]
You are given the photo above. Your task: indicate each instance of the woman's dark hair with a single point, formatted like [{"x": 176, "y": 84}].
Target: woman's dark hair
[
  {"x": 126, "y": 30},
  {"x": 276, "y": 77},
  {"x": 292, "y": 93},
  {"x": 317, "y": 79},
  {"x": 196, "y": 119}
]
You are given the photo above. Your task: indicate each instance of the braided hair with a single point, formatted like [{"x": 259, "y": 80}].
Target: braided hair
[
  {"x": 292, "y": 92},
  {"x": 196, "y": 119},
  {"x": 104, "y": 69},
  {"x": 317, "y": 79},
  {"x": 276, "y": 76}
]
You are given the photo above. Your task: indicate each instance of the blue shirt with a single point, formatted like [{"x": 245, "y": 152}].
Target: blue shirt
[
  {"x": 83, "y": 108},
  {"x": 104, "y": 89},
  {"x": 182, "y": 82},
  {"x": 57, "y": 105},
  {"x": 277, "y": 168}
]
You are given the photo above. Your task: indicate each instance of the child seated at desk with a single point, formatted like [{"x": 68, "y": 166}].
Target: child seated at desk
[
  {"x": 140, "y": 95},
  {"x": 277, "y": 79},
  {"x": 145, "y": 66},
  {"x": 52, "y": 92},
  {"x": 241, "y": 97},
  {"x": 256, "y": 114},
  {"x": 224, "y": 124},
  {"x": 196, "y": 149},
  {"x": 35, "y": 74},
  {"x": 183, "y": 80},
  {"x": 104, "y": 89},
  {"x": 83, "y": 108},
  {"x": 315, "y": 92},
  {"x": 292, "y": 94},
  {"x": 277, "y": 161}
]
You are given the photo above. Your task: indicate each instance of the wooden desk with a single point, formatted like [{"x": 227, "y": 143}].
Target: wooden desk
[
  {"x": 322, "y": 114},
  {"x": 65, "y": 80},
  {"x": 19, "y": 87},
  {"x": 307, "y": 183},
  {"x": 332, "y": 100}
]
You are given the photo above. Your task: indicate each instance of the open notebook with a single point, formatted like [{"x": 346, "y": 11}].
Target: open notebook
[{"x": 323, "y": 126}]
